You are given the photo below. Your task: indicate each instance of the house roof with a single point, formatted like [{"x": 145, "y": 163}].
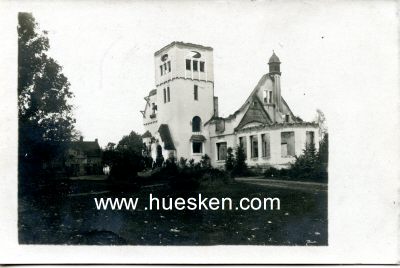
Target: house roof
[
  {"x": 255, "y": 113},
  {"x": 90, "y": 148},
  {"x": 166, "y": 137},
  {"x": 197, "y": 138},
  {"x": 182, "y": 44}
]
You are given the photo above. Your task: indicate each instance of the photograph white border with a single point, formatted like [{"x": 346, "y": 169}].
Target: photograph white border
[{"x": 363, "y": 188}]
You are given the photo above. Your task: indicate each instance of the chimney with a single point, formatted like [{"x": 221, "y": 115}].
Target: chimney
[
  {"x": 81, "y": 138},
  {"x": 96, "y": 140},
  {"x": 216, "y": 106}
]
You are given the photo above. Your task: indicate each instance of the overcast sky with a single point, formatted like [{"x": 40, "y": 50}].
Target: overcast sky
[{"x": 330, "y": 53}]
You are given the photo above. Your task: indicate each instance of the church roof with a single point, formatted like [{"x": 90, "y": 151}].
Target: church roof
[
  {"x": 182, "y": 44},
  {"x": 166, "y": 137},
  {"x": 274, "y": 58}
]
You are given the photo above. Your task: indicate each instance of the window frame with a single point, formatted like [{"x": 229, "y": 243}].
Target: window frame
[
  {"x": 244, "y": 144},
  {"x": 254, "y": 149},
  {"x": 218, "y": 145},
  {"x": 188, "y": 67},
  {"x": 285, "y": 140},
  {"x": 165, "y": 94},
  {"x": 200, "y": 148},
  {"x": 196, "y": 92},
  {"x": 312, "y": 137},
  {"x": 195, "y": 64},
  {"x": 202, "y": 66},
  {"x": 265, "y": 145},
  {"x": 194, "y": 124}
]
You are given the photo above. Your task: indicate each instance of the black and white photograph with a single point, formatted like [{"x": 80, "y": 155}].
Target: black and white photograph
[{"x": 185, "y": 124}]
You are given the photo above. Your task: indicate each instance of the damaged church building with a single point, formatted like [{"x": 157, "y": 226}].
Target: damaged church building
[{"x": 181, "y": 114}]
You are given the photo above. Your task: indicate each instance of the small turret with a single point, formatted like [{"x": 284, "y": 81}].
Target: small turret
[{"x": 274, "y": 64}]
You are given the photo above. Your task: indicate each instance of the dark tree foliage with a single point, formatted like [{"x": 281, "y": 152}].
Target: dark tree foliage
[
  {"x": 309, "y": 166},
  {"x": 240, "y": 166},
  {"x": 46, "y": 123},
  {"x": 205, "y": 162},
  {"x": 230, "y": 160},
  {"x": 159, "y": 157},
  {"x": 132, "y": 142},
  {"x": 183, "y": 162},
  {"x": 306, "y": 163},
  {"x": 126, "y": 160},
  {"x": 324, "y": 149}
]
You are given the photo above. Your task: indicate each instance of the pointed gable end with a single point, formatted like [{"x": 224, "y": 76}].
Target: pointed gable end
[{"x": 255, "y": 114}]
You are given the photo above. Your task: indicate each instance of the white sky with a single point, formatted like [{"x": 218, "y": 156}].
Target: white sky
[{"x": 330, "y": 53}]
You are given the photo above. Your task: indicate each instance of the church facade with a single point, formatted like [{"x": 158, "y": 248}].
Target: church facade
[{"x": 181, "y": 114}]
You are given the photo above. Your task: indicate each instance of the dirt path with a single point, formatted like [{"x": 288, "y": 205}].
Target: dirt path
[{"x": 295, "y": 185}]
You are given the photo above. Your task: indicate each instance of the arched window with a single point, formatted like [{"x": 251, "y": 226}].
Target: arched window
[{"x": 196, "y": 124}]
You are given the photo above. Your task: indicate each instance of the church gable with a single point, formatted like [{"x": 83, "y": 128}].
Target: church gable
[{"x": 254, "y": 114}]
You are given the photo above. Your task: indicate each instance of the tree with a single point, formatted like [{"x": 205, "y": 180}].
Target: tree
[
  {"x": 240, "y": 167},
  {"x": 324, "y": 149},
  {"x": 132, "y": 142},
  {"x": 109, "y": 154},
  {"x": 110, "y": 146},
  {"x": 230, "y": 160},
  {"x": 127, "y": 158},
  {"x": 308, "y": 166},
  {"x": 46, "y": 123}
]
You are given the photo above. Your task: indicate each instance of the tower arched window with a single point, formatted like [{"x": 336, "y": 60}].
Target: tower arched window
[{"x": 196, "y": 124}]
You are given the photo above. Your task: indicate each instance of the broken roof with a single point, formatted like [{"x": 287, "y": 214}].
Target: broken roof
[{"x": 255, "y": 113}]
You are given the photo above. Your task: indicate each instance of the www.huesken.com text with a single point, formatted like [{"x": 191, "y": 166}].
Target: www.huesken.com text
[{"x": 191, "y": 203}]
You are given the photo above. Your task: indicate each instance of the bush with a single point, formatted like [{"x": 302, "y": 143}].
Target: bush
[
  {"x": 170, "y": 166},
  {"x": 214, "y": 178},
  {"x": 183, "y": 162},
  {"x": 126, "y": 165},
  {"x": 205, "y": 162},
  {"x": 201, "y": 174},
  {"x": 308, "y": 167},
  {"x": 272, "y": 172}
]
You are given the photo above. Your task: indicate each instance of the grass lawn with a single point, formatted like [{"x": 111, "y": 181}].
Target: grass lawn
[{"x": 73, "y": 219}]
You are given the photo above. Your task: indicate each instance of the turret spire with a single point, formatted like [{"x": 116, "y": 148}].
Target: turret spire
[{"x": 274, "y": 64}]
